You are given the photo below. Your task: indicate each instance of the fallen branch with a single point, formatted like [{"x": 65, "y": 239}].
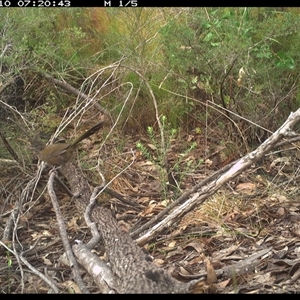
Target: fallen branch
[
  {"x": 64, "y": 236},
  {"x": 132, "y": 268},
  {"x": 242, "y": 164}
]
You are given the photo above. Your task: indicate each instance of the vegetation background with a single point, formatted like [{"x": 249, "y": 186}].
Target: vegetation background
[{"x": 183, "y": 53}]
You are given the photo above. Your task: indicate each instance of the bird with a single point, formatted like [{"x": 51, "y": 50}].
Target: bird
[{"x": 60, "y": 153}]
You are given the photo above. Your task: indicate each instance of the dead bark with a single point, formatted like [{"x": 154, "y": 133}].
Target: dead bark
[{"x": 132, "y": 269}]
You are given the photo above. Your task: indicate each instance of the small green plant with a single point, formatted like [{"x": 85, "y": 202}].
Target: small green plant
[
  {"x": 189, "y": 165},
  {"x": 159, "y": 149},
  {"x": 144, "y": 150},
  {"x": 9, "y": 265},
  {"x": 158, "y": 153}
]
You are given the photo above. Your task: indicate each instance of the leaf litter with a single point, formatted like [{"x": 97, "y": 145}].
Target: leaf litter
[{"x": 244, "y": 239}]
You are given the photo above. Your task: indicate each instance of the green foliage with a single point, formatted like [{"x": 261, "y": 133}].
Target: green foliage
[
  {"x": 183, "y": 53},
  {"x": 9, "y": 263},
  {"x": 201, "y": 43},
  {"x": 59, "y": 42},
  {"x": 131, "y": 34},
  {"x": 134, "y": 34},
  {"x": 157, "y": 153},
  {"x": 56, "y": 40},
  {"x": 284, "y": 61}
]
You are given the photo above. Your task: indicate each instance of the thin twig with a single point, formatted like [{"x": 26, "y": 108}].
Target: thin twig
[
  {"x": 63, "y": 233},
  {"x": 34, "y": 270}
]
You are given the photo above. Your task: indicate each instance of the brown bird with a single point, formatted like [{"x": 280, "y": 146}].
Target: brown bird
[{"x": 61, "y": 153}]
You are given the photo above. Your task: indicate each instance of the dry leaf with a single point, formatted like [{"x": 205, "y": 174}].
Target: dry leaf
[
  {"x": 71, "y": 286},
  {"x": 196, "y": 246},
  {"x": 172, "y": 244},
  {"x": 246, "y": 188},
  {"x": 47, "y": 261},
  {"x": 152, "y": 147},
  {"x": 211, "y": 273}
]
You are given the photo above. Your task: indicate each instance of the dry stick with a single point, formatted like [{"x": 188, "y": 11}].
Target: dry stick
[
  {"x": 80, "y": 94},
  {"x": 15, "y": 216},
  {"x": 96, "y": 237},
  {"x": 182, "y": 198},
  {"x": 132, "y": 269},
  {"x": 24, "y": 197},
  {"x": 64, "y": 236},
  {"x": 34, "y": 270},
  {"x": 9, "y": 148},
  {"x": 162, "y": 136},
  {"x": 185, "y": 195},
  {"x": 87, "y": 99},
  {"x": 49, "y": 281},
  {"x": 6, "y": 48},
  {"x": 71, "y": 89},
  {"x": 9, "y": 194},
  {"x": 97, "y": 268},
  {"x": 242, "y": 164}
]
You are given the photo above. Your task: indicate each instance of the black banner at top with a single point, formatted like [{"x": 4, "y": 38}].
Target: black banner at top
[{"x": 101, "y": 3}]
